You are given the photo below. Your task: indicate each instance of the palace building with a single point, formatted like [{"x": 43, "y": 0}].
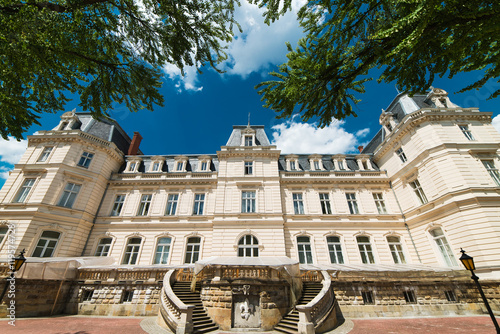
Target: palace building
[{"x": 252, "y": 232}]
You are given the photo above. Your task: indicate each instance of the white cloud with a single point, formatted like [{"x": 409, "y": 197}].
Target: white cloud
[
  {"x": 298, "y": 137},
  {"x": 256, "y": 49},
  {"x": 4, "y": 172},
  {"x": 11, "y": 150},
  {"x": 496, "y": 122}
]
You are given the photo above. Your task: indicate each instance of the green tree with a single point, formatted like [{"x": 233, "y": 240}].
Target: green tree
[
  {"x": 411, "y": 40},
  {"x": 104, "y": 50}
]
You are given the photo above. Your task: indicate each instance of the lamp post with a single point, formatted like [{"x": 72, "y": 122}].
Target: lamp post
[
  {"x": 468, "y": 263},
  {"x": 18, "y": 263}
]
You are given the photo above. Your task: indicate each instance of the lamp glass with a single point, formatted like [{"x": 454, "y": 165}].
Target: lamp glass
[
  {"x": 18, "y": 262},
  {"x": 468, "y": 262}
]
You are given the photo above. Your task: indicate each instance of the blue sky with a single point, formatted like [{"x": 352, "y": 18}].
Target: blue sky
[{"x": 200, "y": 109}]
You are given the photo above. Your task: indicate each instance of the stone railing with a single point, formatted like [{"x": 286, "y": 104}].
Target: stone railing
[
  {"x": 311, "y": 276},
  {"x": 177, "y": 315},
  {"x": 121, "y": 274},
  {"x": 314, "y": 313},
  {"x": 240, "y": 272}
]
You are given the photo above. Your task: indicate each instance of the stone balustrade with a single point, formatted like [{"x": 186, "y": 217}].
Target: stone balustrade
[
  {"x": 177, "y": 315},
  {"x": 120, "y": 274}
]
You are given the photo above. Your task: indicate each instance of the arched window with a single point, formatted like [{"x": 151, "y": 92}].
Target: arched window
[
  {"x": 443, "y": 246},
  {"x": 304, "y": 250},
  {"x": 132, "y": 251},
  {"x": 365, "y": 249},
  {"x": 46, "y": 244},
  {"x": 192, "y": 250},
  {"x": 396, "y": 249},
  {"x": 335, "y": 249},
  {"x": 162, "y": 250},
  {"x": 248, "y": 246},
  {"x": 103, "y": 247}
]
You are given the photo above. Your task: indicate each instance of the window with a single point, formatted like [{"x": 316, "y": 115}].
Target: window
[
  {"x": 418, "y": 191},
  {"x": 410, "y": 297},
  {"x": 293, "y": 165},
  {"x": 365, "y": 249},
  {"x": 87, "y": 295},
  {"x": 492, "y": 170},
  {"x": 248, "y": 141},
  {"x": 379, "y": 202},
  {"x": 248, "y": 167},
  {"x": 450, "y": 296},
  {"x": 364, "y": 164},
  {"x": 132, "y": 251},
  {"x": 132, "y": 166},
  {"x": 127, "y": 296},
  {"x": 156, "y": 166},
  {"x": 298, "y": 205},
  {"x": 180, "y": 166},
  {"x": 316, "y": 164},
  {"x": 389, "y": 127},
  {"x": 118, "y": 205},
  {"x": 368, "y": 297},
  {"x": 85, "y": 159},
  {"x": 341, "y": 164},
  {"x": 192, "y": 250},
  {"x": 247, "y": 201},
  {"x": 466, "y": 132},
  {"x": 304, "y": 249},
  {"x": 443, "y": 246},
  {"x": 172, "y": 201},
  {"x": 396, "y": 249},
  {"x": 69, "y": 195},
  {"x": 248, "y": 246},
  {"x": 46, "y": 244},
  {"x": 199, "y": 202},
  {"x": 204, "y": 166},
  {"x": 24, "y": 191},
  {"x": 3, "y": 233},
  {"x": 144, "y": 205},
  {"x": 45, "y": 154},
  {"x": 103, "y": 247},
  {"x": 324, "y": 200},
  {"x": 401, "y": 155},
  {"x": 162, "y": 251},
  {"x": 335, "y": 250},
  {"x": 352, "y": 203}
]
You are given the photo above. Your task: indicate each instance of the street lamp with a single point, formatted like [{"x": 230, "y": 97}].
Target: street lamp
[
  {"x": 468, "y": 262},
  {"x": 18, "y": 263}
]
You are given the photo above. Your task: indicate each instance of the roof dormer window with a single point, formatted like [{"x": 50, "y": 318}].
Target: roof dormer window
[
  {"x": 248, "y": 140},
  {"x": 156, "y": 165},
  {"x": 133, "y": 165},
  {"x": 315, "y": 161},
  {"x": 180, "y": 164},
  {"x": 292, "y": 162},
  {"x": 204, "y": 163}
]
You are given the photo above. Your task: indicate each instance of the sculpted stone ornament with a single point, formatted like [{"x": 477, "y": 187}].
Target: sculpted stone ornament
[{"x": 246, "y": 309}]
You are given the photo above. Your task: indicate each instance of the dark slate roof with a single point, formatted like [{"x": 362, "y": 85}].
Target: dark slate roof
[
  {"x": 169, "y": 164},
  {"x": 375, "y": 142},
  {"x": 260, "y": 135},
  {"x": 107, "y": 129},
  {"x": 304, "y": 165}
]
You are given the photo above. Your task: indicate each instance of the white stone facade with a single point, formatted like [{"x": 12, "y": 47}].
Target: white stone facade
[{"x": 426, "y": 185}]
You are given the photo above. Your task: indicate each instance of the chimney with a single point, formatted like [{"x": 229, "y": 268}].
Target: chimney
[
  {"x": 134, "y": 145},
  {"x": 360, "y": 148}
]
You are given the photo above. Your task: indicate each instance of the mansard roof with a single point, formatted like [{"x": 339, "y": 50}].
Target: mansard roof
[
  {"x": 327, "y": 161},
  {"x": 238, "y": 130}
]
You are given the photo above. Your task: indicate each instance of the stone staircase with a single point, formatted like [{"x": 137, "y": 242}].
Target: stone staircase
[
  {"x": 201, "y": 321},
  {"x": 289, "y": 323}
]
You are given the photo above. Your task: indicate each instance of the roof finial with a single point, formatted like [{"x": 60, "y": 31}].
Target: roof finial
[{"x": 248, "y": 120}]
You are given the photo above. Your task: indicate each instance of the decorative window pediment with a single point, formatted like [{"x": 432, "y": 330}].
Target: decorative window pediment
[{"x": 133, "y": 165}]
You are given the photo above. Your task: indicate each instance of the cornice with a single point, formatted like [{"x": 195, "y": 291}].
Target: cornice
[{"x": 244, "y": 151}]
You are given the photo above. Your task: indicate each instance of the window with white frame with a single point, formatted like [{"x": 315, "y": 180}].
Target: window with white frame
[
  {"x": 132, "y": 166},
  {"x": 316, "y": 165},
  {"x": 379, "y": 203},
  {"x": 352, "y": 203},
  {"x": 293, "y": 165},
  {"x": 443, "y": 246},
  {"x": 341, "y": 164},
  {"x": 365, "y": 249},
  {"x": 248, "y": 246},
  {"x": 3, "y": 233},
  {"x": 335, "y": 249},
  {"x": 24, "y": 191},
  {"x": 298, "y": 204},
  {"x": 144, "y": 205},
  {"x": 401, "y": 155},
  {"x": 118, "y": 205},
  {"x": 199, "y": 203},
  {"x": 396, "y": 249},
  {"x": 162, "y": 250},
  {"x": 248, "y": 201},
  {"x": 172, "y": 202},
  {"x": 248, "y": 167},
  {"x": 419, "y": 192},
  {"x": 45, "y": 154},
  {"x": 85, "y": 159},
  {"x": 103, "y": 247},
  {"x": 324, "y": 200},
  {"x": 46, "y": 244},
  {"x": 155, "y": 167},
  {"x": 132, "y": 251},
  {"x": 69, "y": 195},
  {"x": 492, "y": 170},
  {"x": 304, "y": 250},
  {"x": 204, "y": 166},
  {"x": 248, "y": 140},
  {"x": 192, "y": 250},
  {"x": 180, "y": 166},
  {"x": 466, "y": 131}
]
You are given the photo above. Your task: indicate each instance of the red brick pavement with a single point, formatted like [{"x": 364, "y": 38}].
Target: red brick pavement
[{"x": 449, "y": 325}]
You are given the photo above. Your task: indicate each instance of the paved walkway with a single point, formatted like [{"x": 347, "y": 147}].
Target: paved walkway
[{"x": 137, "y": 325}]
